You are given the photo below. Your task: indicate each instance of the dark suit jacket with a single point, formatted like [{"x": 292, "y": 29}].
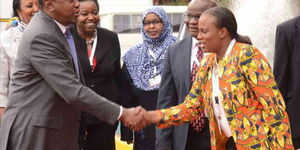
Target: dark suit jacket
[
  {"x": 287, "y": 69},
  {"x": 46, "y": 95},
  {"x": 174, "y": 87},
  {"x": 104, "y": 80}
]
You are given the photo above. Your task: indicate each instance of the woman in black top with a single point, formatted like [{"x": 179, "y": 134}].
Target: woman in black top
[{"x": 98, "y": 51}]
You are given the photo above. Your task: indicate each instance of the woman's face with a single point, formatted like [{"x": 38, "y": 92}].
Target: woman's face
[
  {"x": 153, "y": 25},
  {"x": 27, "y": 9},
  {"x": 89, "y": 17},
  {"x": 209, "y": 34}
]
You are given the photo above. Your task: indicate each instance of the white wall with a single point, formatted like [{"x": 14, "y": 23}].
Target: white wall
[{"x": 5, "y": 11}]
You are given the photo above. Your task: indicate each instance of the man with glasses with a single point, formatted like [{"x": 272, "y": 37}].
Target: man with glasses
[{"x": 181, "y": 63}]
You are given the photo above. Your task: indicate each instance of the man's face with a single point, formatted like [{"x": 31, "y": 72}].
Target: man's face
[
  {"x": 191, "y": 20},
  {"x": 66, "y": 11}
]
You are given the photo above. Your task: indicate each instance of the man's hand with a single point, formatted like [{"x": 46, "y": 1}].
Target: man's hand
[{"x": 134, "y": 118}]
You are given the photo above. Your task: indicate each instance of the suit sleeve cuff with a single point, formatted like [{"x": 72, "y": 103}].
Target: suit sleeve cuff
[{"x": 121, "y": 112}]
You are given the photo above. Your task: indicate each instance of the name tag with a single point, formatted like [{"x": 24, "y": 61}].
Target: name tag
[{"x": 155, "y": 81}]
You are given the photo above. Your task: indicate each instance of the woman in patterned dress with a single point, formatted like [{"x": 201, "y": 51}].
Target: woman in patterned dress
[{"x": 235, "y": 86}]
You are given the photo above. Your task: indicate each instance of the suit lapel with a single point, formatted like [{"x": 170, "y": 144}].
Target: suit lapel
[
  {"x": 58, "y": 32},
  {"x": 297, "y": 31},
  {"x": 100, "y": 43},
  {"x": 187, "y": 61},
  {"x": 81, "y": 49}
]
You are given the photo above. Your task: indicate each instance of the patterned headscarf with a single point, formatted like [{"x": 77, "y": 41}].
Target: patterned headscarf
[{"x": 139, "y": 63}]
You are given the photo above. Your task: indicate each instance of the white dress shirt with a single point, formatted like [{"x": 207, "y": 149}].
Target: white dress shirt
[{"x": 219, "y": 111}]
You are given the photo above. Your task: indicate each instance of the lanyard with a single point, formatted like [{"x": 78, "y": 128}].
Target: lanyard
[
  {"x": 93, "y": 50},
  {"x": 151, "y": 53}
]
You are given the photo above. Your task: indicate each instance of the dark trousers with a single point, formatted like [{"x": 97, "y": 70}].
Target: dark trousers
[
  {"x": 296, "y": 142},
  {"x": 230, "y": 144},
  {"x": 198, "y": 141},
  {"x": 99, "y": 137},
  {"x": 145, "y": 139}
]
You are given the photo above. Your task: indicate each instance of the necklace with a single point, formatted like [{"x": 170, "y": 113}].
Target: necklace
[{"x": 89, "y": 42}]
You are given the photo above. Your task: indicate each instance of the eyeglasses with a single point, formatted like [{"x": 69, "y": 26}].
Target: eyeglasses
[
  {"x": 190, "y": 17},
  {"x": 154, "y": 22}
]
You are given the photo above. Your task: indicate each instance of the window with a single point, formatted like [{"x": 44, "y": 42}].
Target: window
[
  {"x": 131, "y": 23},
  {"x": 171, "y": 2}
]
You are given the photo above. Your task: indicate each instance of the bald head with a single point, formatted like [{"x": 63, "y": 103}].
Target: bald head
[
  {"x": 195, "y": 9},
  {"x": 201, "y": 5}
]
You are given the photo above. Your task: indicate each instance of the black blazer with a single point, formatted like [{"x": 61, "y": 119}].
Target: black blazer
[
  {"x": 287, "y": 69},
  {"x": 104, "y": 80}
]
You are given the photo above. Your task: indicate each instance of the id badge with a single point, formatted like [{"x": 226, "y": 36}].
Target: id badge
[{"x": 155, "y": 81}]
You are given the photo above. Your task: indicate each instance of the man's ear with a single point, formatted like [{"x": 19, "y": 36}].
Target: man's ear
[{"x": 48, "y": 4}]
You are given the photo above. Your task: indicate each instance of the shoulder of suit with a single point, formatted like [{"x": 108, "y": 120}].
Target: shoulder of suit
[
  {"x": 182, "y": 43},
  {"x": 290, "y": 23}
]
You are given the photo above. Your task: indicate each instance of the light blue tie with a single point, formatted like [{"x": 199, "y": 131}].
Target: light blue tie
[{"x": 70, "y": 40}]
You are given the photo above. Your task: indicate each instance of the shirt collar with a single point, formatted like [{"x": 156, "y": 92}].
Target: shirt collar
[
  {"x": 61, "y": 27},
  {"x": 194, "y": 42},
  {"x": 228, "y": 50}
]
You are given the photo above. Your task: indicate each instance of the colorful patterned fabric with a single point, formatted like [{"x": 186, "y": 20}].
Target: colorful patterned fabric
[
  {"x": 139, "y": 63},
  {"x": 253, "y": 104}
]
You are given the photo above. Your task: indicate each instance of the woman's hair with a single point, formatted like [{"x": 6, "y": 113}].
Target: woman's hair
[
  {"x": 95, "y": 1},
  {"x": 16, "y": 7},
  {"x": 226, "y": 19}
]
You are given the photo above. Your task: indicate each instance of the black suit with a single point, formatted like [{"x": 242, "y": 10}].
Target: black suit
[
  {"x": 287, "y": 71},
  {"x": 175, "y": 85},
  {"x": 104, "y": 80}
]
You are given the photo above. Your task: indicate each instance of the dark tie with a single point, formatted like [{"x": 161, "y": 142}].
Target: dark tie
[
  {"x": 198, "y": 123},
  {"x": 70, "y": 40}
]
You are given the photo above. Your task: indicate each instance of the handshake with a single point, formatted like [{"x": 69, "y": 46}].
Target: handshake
[{"x": 137, "y": 118}]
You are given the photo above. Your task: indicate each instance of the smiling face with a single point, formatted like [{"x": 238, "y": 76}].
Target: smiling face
[
  {"x": 27, "y": 9},
  {"x": 89, "y": 17},
  {"x": 153, "y": 25},
  {"x": 209, "y": 36}
]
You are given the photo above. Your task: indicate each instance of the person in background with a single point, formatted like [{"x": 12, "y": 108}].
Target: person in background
[
  {"x": 287, "y": 73},
  {"x": 235, "y": 86},
  {"x": 47, "y": 92},
  {"x": 181, "y": 64},
  {"x": 9, "y": 43},
  {"x": 141, "y": 72},
  {"x": 98, "y": 51}
]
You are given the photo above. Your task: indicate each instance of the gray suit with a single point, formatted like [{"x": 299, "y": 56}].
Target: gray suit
[
  {"x": 46, "y": 96},
  {"x": 175, "y": 85}
]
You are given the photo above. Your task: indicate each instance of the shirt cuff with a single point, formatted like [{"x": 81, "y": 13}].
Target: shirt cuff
[{"x": 121, "y": 112}]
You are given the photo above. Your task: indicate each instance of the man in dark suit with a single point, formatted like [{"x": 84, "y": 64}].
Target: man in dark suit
[
  {"x": 176, "y": 84},
  {"x": 287, "y": 72},
  {"x": 46, "y": 95}
]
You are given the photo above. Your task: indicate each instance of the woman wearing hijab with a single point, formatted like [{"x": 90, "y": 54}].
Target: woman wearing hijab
[
  {"x": 9, "y": 44},
  {"x": 141, "y": 73},
  {"x": 235, "y": 86}
]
